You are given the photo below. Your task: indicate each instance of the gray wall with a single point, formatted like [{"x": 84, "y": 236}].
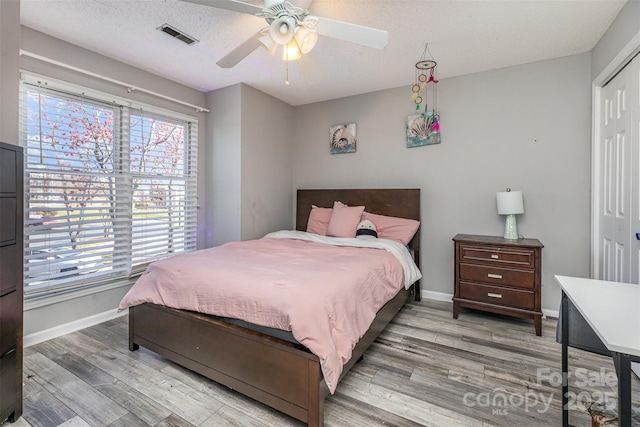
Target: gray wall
[
  {"x": 525, "y": 127},
  {"x": 9, "y": 70},
  {"x": 250, "y": 174},
  {"x": 41, "y": 44},
  {"x": 267, "y": 169},
  {"x": 222, "y": 170},
  {"x": 620, "y": 33}
]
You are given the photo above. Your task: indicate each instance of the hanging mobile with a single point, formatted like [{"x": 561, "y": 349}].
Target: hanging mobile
[
  {"x": 424, "y": 128},
  {"x": 426, "y": 65}
]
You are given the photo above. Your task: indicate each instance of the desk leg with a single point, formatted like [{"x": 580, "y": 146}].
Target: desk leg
[
  {"x": 623, "y": 368},
  {"x": 564, "y": 333}
]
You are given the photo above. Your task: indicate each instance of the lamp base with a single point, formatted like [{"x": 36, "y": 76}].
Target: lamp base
[{"x": 510, "y": 228}]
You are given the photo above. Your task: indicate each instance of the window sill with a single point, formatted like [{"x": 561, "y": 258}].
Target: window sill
[{"x": 43, "y": 301}]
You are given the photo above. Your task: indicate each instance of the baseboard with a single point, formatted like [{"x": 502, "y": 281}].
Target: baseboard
[
  {"x": 76, "y": 325},
  {"x": 67, "y": 328},
  {"x": 443, "y": 296},
  {"x": 436, "y": 296}
]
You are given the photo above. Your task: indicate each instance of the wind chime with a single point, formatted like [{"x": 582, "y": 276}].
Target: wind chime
[{"x": 427, "y": 84}]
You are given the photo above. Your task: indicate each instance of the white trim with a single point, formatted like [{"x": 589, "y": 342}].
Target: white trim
[
  {"x": 128, "y": 86},
  {"x": 31, "y": 304},
  {"x": 443, "y": 296},
  {"x": 436, "y": 296},
  {"x": 67, "y": 328},
  {"x": 595, "y": 179},
  {"x": 76, "y": 325}
]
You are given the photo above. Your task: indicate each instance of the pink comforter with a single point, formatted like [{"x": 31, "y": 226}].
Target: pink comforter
[{"x": 327, "y": 296}]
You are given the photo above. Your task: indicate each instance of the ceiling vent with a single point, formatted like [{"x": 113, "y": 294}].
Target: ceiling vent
[{"x": 166, "y": 28}]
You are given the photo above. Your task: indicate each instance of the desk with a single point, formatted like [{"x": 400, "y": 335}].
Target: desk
[{"x": 612, "y": 310}]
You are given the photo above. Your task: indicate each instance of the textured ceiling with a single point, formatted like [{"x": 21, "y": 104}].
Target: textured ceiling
[{"x": 464, "y": 37}]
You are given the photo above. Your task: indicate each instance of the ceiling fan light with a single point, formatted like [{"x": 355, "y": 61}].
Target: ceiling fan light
[
  {"x": 305, "y": 39},
  {"x": 291, "y": 52},
  {"x": 282, "y": 29}
]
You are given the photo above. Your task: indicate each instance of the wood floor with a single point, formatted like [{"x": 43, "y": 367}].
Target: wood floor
[{"x": 426, "y": 369}]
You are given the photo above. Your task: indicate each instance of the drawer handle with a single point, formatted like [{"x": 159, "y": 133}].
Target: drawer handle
[
  {"x": 492, "y": 295},
  {"x": 494, "y": 256},
  {"x": 494, "y": 276}
]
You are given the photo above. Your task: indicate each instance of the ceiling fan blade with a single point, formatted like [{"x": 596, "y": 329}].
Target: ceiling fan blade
[
  {"x": 241, "y": 52},
  {"x": 354, "y": 33},
  {"x": 233, "y": 5},
  {"x": 310, "y": 68}
]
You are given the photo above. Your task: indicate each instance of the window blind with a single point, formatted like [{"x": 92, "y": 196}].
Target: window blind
[{"x": 108, "y": 187}]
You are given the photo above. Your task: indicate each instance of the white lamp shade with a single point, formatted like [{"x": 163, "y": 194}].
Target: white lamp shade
[
  {"x": 306, "y": 39},
  {"x": 282, "y": 29},
  {"x": 510, "y": 202}
]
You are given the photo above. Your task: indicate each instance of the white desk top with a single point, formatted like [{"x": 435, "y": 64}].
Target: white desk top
[{"x": 612, "y": 309}]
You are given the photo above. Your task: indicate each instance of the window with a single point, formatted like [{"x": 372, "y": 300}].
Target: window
[{"x": 109, "y": 188}]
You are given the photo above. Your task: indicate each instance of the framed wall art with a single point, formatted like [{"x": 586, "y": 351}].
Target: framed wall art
[
  {"x": 422, "y": 129},
  {"x": 342, "y": 138}
]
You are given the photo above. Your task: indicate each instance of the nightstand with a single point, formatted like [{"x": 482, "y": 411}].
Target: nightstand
[{"x": 499, "y": 275}]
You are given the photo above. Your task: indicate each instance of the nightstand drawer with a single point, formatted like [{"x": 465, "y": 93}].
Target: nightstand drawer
[
  {"x": 497, "y": 276},
  {"x": 516, "y": 258},
  {"x": 497, "y": 295}
]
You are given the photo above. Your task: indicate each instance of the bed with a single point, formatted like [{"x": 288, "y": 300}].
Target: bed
[{"x": 257, "y": 362}]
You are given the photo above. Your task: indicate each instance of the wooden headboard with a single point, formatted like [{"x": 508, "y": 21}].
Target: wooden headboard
[{"x": 400, "y": 202}]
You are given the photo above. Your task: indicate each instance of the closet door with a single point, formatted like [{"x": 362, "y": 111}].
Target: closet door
[{"x": 617, "y": 178}]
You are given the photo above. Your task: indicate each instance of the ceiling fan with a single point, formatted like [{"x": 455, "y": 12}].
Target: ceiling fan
[{"x": 290, "y": 25}]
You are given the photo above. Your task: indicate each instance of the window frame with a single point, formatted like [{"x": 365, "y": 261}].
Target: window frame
[{"x": 126, "y": 108}]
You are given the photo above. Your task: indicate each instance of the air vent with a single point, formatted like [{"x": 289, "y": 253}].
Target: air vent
[{"x": 173, "y": 32}]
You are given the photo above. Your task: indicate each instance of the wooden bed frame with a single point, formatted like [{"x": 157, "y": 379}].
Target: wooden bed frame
[{"x": 278, "y": 373}]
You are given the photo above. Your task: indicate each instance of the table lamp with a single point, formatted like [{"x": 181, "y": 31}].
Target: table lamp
[{"x": 510, "y": 204}]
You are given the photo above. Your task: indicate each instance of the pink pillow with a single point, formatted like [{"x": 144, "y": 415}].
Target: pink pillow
[
  {"x": 394, "y": 228},
  {"x": 319, "y": 220},
  {"x": 344, "y": 220}
]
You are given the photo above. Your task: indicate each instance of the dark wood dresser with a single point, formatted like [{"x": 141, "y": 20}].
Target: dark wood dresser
[
  {"x": 499, "y": 275},
  {"x": 11, "y": 290}
]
